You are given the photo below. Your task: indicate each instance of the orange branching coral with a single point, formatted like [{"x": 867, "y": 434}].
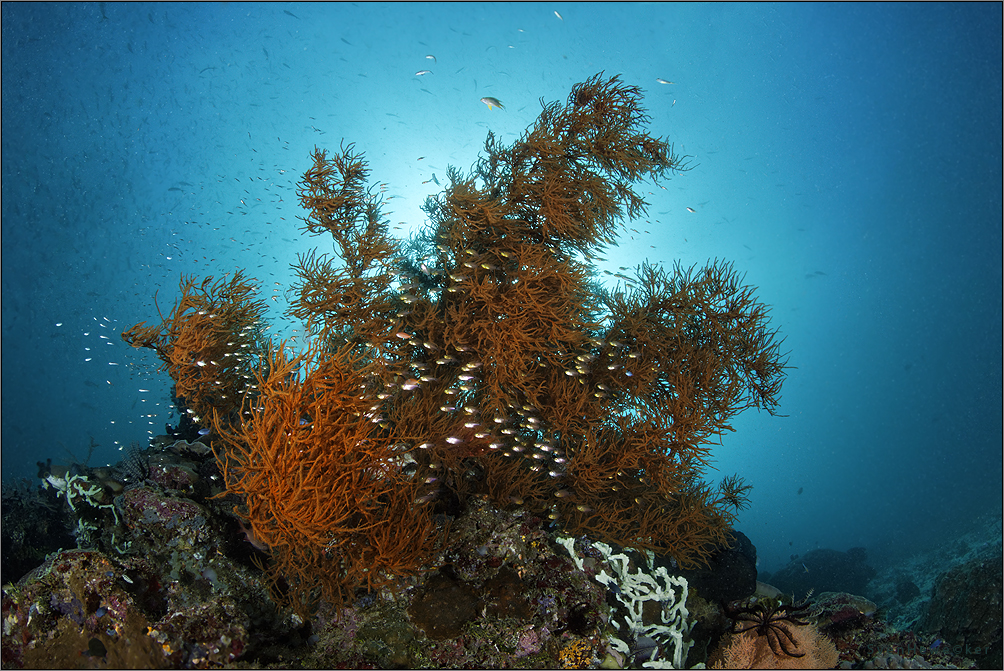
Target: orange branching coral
[
  {"x": 696, "y": 348},
  {"x": 484, "y": 358},
  {"x": 353, "y": 299},
  {"x": 568, "y": 180},
  {"x": 335, "y": 498},
  {"x": 208, "y": 341}
]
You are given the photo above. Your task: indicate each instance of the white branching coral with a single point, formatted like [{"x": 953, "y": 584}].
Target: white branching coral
[
  {"x": 670, "y": 635},
  {"x": 77, "y": 489}
]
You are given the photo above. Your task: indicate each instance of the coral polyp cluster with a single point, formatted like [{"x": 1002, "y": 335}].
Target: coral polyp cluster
[{"x": 482, "y": 358}]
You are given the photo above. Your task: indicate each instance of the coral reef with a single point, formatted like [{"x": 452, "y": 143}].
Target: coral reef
[
  {"x": 650, "y": 617},
  {"x": 167, "y": 581},
  {"x": 507, "y": 597},
  {"x": 182, "y": 592},
  {"x": 836, "y": 628},
  {"x": 837, "y": 611},
  {"x": 481, "y": 358},
  {"x": 480, "y": 456},
  {"x": 159, "y": 579},
  {"x": 868, "y": 642}
]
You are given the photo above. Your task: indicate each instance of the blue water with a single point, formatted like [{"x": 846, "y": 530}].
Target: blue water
[{"x": 848, "y": 159}]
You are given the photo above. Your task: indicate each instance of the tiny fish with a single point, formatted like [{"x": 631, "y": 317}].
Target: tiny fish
[
  {"x": 663, "y": 81},
  {"x": 494, "y": 102},
  {"x": 690, "y": 209},
  {"x": 286, "y": 11},
  {"x": 805, "y": 567},
  {"x": 203, "y": 432},
  {"x": 423, "y": 72},
  {"x": 558, "y": 15},
  {"x": 433, "y": 58}
]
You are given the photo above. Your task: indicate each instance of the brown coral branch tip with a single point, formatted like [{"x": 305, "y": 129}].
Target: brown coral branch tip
[{"x": 482, "y": 358}]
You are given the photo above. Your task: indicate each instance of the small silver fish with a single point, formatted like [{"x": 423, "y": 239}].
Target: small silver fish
[
  {"x": 423, "y": 72},
  {"x": 492, "y": 102},
  {"x": 663, "y": 81},
  {"x": 433, "y": 58}
]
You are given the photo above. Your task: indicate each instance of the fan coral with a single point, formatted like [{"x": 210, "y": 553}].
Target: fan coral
[{"x": 482, "y": 358}]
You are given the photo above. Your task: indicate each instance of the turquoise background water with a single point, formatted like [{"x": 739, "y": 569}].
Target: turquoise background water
[{"x": 847, "y": 159}]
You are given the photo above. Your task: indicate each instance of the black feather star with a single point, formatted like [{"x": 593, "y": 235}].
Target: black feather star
[{"x": 770, "y": 618}]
